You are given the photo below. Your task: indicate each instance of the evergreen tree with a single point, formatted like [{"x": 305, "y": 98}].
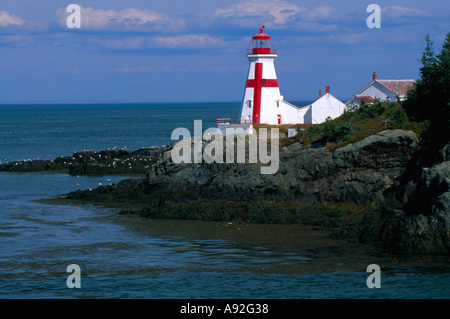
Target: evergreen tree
[
  {"x": 430, "y": 100},
  {"x": 423, "y": 87},
  {"x": 428, "y": 60},
  {"x": 442, "y": 86}
]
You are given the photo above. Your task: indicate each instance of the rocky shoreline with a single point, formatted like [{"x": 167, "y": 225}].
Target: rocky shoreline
[
  {"x": 114, "y": 161},
  {"x": 389, "y": 190}
]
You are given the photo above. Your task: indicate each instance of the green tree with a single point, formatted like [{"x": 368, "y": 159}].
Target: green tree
[
  {"x": 336, "y": 130},
  {"x": 398, "y": 114},
  {"x": 430, "y": 100},
  {"x": 424, "y": 90},
  {"x": 442, "y": 110},
  {"x": 428, "y": 60}
]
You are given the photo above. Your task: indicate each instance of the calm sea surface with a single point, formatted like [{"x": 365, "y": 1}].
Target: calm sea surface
[{"x": 125, "y": 257}]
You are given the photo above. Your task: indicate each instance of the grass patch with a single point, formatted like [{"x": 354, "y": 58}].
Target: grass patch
[
  {"x": 283, "y": 129},
  {"x": 357, "y": 124}
]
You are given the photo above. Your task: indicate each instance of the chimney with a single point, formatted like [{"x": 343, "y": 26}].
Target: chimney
[
  {"x": 328, "y": 89},
  {"x": 320, "y": 94},
  {"x": 374, "y": 76}
]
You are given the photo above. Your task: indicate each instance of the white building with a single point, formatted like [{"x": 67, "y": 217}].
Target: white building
[
  {"x": 326, "y": 106},
  {"x": 382, "y": 90}
]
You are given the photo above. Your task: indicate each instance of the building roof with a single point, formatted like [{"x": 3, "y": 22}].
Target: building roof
[
  {"x": 399, "y": 87},
  {"x": 396, "y": 86},
  {"x": 261, "y": 34},
  {"x": 367, "y": 99}
]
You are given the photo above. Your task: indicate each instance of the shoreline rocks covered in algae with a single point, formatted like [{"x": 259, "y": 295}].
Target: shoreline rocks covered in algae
[
  {"x": 114, "y": 161},
  {"x": 388, "y": 190}
]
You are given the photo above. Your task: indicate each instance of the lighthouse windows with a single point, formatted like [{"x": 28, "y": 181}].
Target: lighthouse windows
[
  {"x": 264, "y": 83},
  {"x": 249, "y": 103},
  {"x": 261, "y": 43}
]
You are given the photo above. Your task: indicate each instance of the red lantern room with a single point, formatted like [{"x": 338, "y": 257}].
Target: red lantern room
[{"x": 261, "y": 44}]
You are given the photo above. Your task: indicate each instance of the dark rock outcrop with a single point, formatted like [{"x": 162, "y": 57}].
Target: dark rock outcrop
[
  {"x": 365, "y": 172},
  {"x": 110, "y": 161},
  {"x": 423, "y": 224},
  {"x": 370, "y": 172}
]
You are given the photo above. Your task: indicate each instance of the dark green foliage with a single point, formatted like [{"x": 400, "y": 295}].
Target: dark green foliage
[
  {"x": 398, "y": 115},
  {"x": 367, "y": 110},
  {"x": 431, "y": 98},
  {"x": 334, "y": 131},
  {"x": 356, "y": 124}
]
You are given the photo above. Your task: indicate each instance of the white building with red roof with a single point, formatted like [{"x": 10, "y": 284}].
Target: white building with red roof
[{"x": 382, "y": 90}]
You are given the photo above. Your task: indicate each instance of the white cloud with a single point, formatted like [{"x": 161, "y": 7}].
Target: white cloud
[
  {"x": 15, "y": 40},
  {"x": 266, "y": 11},
  {"x": 8, "y": 19},
  {"x": 398, "y": 12},
  {"x": 130, "y": 19},
  {"x": 122, "y": 43},
  {"x": 273, "y": 13},
  {"x": 346, "y": 39},
  {"x": 318, "y": 13},
  {"x": 188, "y": 41},
  {"x": 135, "y": 69}
]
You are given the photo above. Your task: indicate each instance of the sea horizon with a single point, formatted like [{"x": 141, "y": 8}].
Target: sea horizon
[
  {"x": 47, "y": 131},
  {"x": 136, "y": 102}
]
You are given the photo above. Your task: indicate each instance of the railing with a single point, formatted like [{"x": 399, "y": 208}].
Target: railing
[
  {"x": 261, "y": 51},
  {"x": 229, "y": 122}
]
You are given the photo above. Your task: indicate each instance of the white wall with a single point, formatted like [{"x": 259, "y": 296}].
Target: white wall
[
  {"x": 377, "y": 91},
  {"x": 326, "y": 106}
]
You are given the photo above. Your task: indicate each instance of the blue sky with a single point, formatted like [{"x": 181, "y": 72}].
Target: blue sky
[{"x": 194, "y": 50}]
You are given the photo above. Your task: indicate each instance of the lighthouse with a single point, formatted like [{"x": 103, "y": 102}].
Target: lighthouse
[
  {"x": 262, "y": 94},
  {"x": 263, "y": 103}
]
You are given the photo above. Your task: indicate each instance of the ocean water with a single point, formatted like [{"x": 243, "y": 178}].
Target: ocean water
[
  {"x": 49, "y": 131},
  {"x": 126, "y": 257}
]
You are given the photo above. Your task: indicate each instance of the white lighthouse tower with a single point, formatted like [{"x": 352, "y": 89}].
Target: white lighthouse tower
[
  {"x": 262, "y": 94},
  {"x": 263, "y": 103}
]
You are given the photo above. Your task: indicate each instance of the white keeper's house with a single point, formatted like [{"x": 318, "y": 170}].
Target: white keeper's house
[
  {"x": 382, "y": 90},
  {"x": 263, "y": 103}
]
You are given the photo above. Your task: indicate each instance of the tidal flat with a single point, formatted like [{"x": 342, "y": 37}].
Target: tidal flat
[{"x": 297, "y": 248}]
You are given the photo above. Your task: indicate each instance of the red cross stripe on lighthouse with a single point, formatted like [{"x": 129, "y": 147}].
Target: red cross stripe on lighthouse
[{"x": 257, "y": 84}]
